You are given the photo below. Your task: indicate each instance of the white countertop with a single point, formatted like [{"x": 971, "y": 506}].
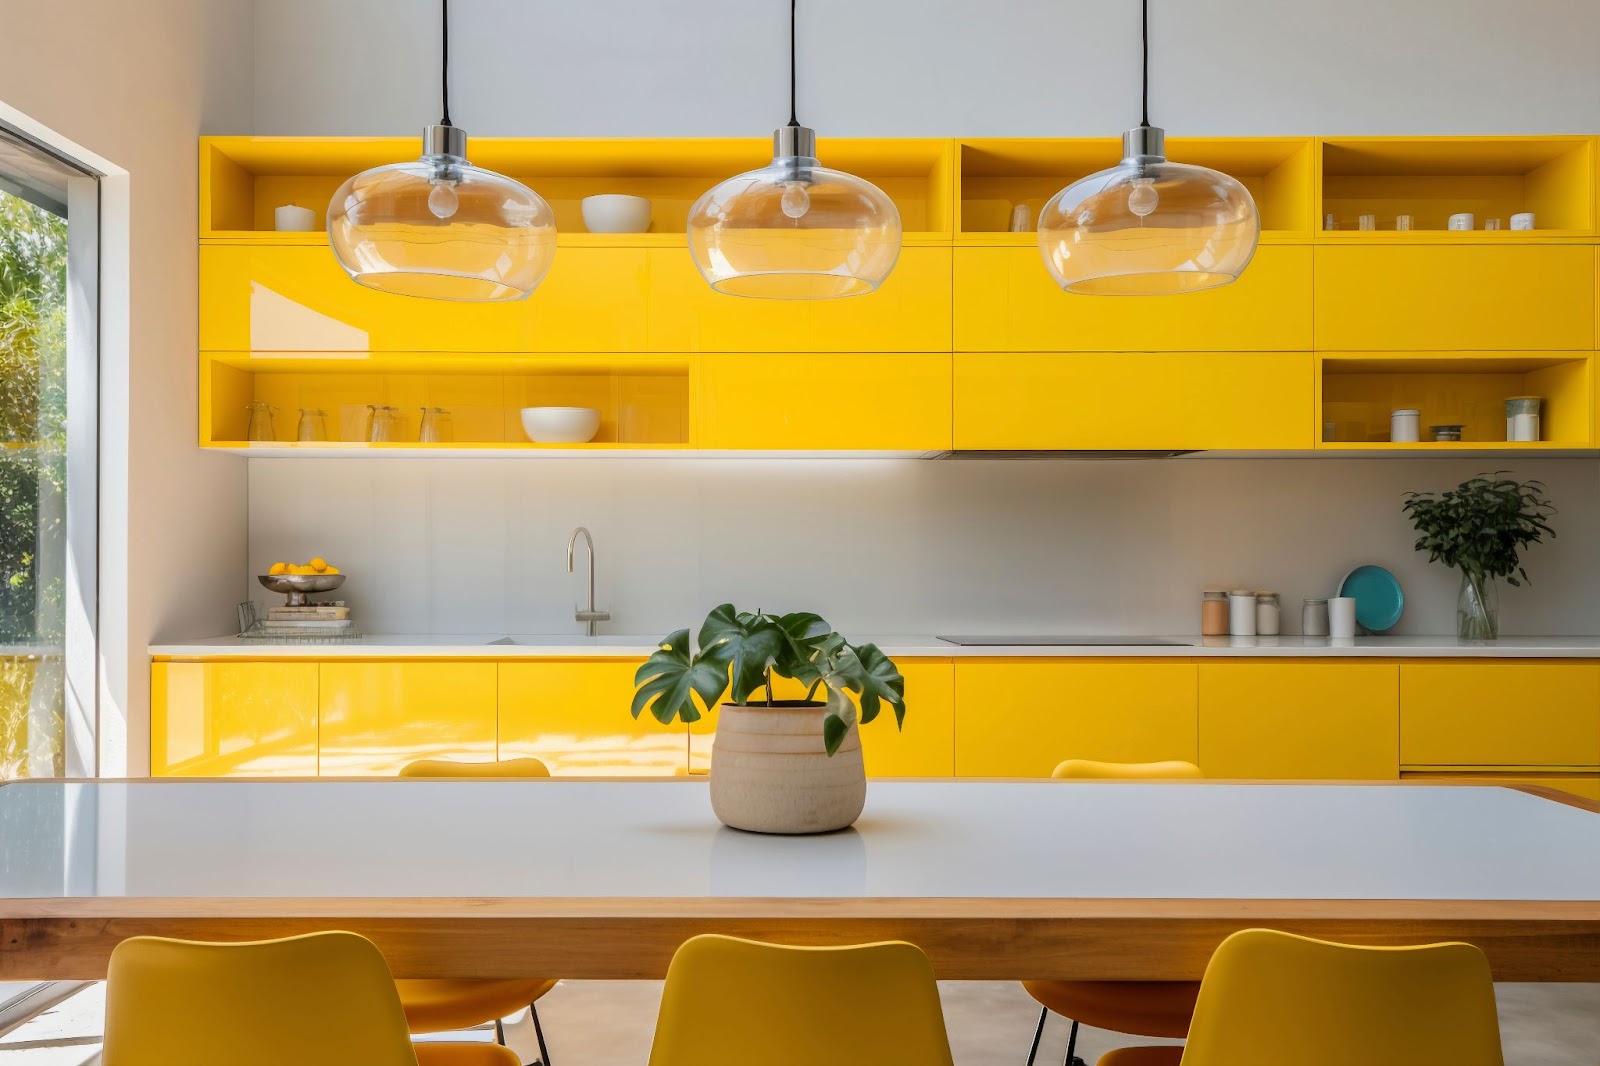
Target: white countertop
[{"x": 564, "y": 646}]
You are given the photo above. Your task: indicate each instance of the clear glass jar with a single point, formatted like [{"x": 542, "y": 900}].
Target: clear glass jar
[
  {"x": 313, "y": 425},
  {"x": 1268, "y": 614},
  {"x": 1314, "y": 618},
  {"x": 1213, "y": 613},
  {"x": 436, "y": 426},
  {"x": 384, "y": 427},
  {"x": 260, "y": 428}
]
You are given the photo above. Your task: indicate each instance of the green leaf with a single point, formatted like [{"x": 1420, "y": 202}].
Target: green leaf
[
  {"x": 880, "y": 682},
  {"x": 834, "y": 730},
  {"x": 670, "y": 680}
]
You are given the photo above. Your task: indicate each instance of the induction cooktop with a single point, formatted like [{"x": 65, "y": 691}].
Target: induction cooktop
[{"x": 1036, "y": 641}]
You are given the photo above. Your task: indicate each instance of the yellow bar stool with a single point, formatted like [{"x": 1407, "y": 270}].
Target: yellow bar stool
[
  {"x": 1276, "y": 999},
  {"x": 1139, "y": 1008},
  {"x": 322, "y": 999},
  {"x": 732, "y": 1002},
  {"x": 445, "y": 1005}
]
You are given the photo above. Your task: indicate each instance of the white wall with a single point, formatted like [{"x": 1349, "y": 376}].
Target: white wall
[
  {"x": 135, "y": 85},
  {"x": 931, "y": 67}
]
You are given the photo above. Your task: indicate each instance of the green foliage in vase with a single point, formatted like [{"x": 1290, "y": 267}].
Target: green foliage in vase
[
  {"x": 1482, "y": 525},
  {"x": 741, "y": 652}
]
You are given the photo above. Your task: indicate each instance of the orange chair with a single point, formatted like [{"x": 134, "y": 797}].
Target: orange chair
[
  {"x": 447, "y": 1004},
  {"x": 1139, "y": 1008},
  {"x": 322, "y": 999}
]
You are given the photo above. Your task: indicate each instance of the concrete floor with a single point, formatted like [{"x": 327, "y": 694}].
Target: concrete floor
[{"x": 608, "y": 1023}]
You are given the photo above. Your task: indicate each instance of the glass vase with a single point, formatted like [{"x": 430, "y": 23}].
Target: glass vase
[{"x": 1477, "y": 608}]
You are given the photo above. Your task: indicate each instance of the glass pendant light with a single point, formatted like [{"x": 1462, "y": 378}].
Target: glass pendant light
[
  {"x": 794, "y": 230},
  {"x": 440, "y": 227},
  {"x": 1148, "y": 227}
]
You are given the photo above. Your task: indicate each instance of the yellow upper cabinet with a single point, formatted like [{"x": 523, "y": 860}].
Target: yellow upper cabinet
[
  {"x": 1326, "y": 720},
  {"x": 1005, "y": 301},
  {"x": 891, "y": 401},
  {"x": 1500, "y": 714},
  {"x": 1020, "y": 717},
  {"x": 378, "y": 716},
  {"x": 219, "y": 719},
  {"x": 1423, "y": 297},
  {"x": 1131, "y": 400}
]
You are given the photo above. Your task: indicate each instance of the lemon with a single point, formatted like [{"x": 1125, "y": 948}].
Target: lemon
[
  {"x": 319, "y": 564},
  {"x": 331, "y": 570},
  {"x": 278, "y": 568}
]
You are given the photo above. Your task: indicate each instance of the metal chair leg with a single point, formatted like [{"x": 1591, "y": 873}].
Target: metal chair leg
[
  {"x": 538, "y": 1032},
  {"x": 1072, "y": 1048},
  {"x": 1038, "y": 1031}
]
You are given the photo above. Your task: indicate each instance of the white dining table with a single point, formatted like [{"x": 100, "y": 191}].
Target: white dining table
[{"x": 605, "y": 878}]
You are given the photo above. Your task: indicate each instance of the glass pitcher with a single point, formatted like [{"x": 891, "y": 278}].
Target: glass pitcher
[
  {"x": 435, "y": 426},
  {"x": 313, "y": 425},
  {"x": 260, "y": 422},
  {"x": 385, "y": 425}
]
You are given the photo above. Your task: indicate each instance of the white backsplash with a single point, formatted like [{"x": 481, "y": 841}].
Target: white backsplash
[{"x": 888, "y": 546}]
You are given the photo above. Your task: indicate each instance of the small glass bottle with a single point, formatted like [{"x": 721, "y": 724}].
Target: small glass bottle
[
  {"x": 260, "y": 422},
  {"x": 1241, "y": 613},
  {"x": 1268, "y": 614},
  {"x": 1314, "y": 618},
  {"x": 1213, "y": 613}
]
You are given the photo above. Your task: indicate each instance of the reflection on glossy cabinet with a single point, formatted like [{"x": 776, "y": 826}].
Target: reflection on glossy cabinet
[
  {"x": 376, "y": 717},
  {"x": 1500, "y": 714},
  {"x": 892, "y": 401},
  {"x": 1331, "y": 720},
  {"x": 574, "y": 715},
  {"x": 255, "y": 719},
  {"x": 1455, "y": 298},
  {"x": 1020, "y": 718},
  {"x": 1133, "y": 400},
  {"x": 1006, "y": 302}
]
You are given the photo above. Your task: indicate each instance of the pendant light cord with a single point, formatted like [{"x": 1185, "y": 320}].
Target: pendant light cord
[
  {"x": 1144, "y": 31},
  {"x": 794, "y": 114},
  {"x": 444, "y": 63}
]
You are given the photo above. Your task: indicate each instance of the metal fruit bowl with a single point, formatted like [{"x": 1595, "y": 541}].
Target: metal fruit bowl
[{"x": 299, "y": 586}]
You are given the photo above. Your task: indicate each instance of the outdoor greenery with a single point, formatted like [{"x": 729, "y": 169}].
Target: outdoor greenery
[
  {"x": 1481, "y": 526},
  {"x": 744, "y": 651},
  {"x": 33, "y": 314}
]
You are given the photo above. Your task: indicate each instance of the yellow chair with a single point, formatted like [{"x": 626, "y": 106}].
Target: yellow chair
[
  {"x": 1276, "y": 999},
  {"x": 445, "y": 1005},
  {"x": 731, "y": 1002},
  {"x": 1140, "y": 1008},
  {"x": 323, "y": 999}
]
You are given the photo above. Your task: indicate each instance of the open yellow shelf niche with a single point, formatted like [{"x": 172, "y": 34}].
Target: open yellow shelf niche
[
  {"x": 243, "y": 179},
  {"x": 1356, "y": 393},
  {"x": 644, "y": 401},
  {"x": 1432, "y": 178},
  {"x": 998, "y": 174}
]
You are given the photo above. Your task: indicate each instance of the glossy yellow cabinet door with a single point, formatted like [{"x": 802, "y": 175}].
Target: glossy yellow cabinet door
[
  {"x": 1033, "y": 400},
  {"x": 898, "y": 401},
  {"x": 925, "y": 747},
  {"x": 910, "y": 312},
  {"x": 1327, "y": 721},
  {"x": 1500, "y": 714},
  {"x": 573, "y": 714},
  {"x": 1005, "y": 301},
  {"x": 1455, "y": 298},
  {"x": 1020, "y": 718},
  {"x": 242, "y": 719},
  {"x": 376, "y": 717}
]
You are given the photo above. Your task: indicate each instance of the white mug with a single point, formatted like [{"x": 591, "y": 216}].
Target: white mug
[
  {"x": 292, "y": 219},
  {"x": 1342, "y": 617},
  {"x": 1463, "y": 221},
  {"x": 1522, "y": 220}
]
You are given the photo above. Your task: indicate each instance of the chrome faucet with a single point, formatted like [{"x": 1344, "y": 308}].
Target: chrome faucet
[{"x": 589, "y": 615}]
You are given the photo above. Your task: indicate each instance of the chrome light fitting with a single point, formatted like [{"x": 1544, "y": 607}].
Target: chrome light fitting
[
  {"x": 1148, "y": 227},
  {"x": 441, "y": 228},
  {"x": 794, "y": 230}
]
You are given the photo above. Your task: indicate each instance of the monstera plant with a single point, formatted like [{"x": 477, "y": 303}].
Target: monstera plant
[{"x": 739, "y": 654}]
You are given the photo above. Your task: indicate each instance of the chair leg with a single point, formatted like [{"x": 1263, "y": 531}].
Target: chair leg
[
  {"x": 1038, "y": 1031},
  {"x": 538, "y": 1032},
  {"x": 1072, "y": 1048}
]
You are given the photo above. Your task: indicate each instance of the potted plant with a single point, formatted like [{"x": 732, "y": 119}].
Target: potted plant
[
  {"x": 777, "y": 766},
  {"x": 1480, "y": 527}
]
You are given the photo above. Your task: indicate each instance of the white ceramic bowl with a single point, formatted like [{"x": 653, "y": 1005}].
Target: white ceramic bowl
[
  {"x": 616, "y": 213},
  {"x": 560, "y": 425}
]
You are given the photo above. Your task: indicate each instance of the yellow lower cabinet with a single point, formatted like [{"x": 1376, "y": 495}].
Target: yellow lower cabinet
[
  {"x": 573, "y": 714},
  {"x": 897, "y": 401},
  {"x": 1019, "y": 718},
  {"x": 377, "y": 717},
  {"x": 239, "y": 719},
  {"x": 1522, "y": 714},
  {"x": 925, "y": 747},
  {"x": 1328, "y": 721},
  {"x": 1133, "y": 400}
]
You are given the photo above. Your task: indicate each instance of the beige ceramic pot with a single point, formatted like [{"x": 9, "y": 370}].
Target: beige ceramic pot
[{"x": 771, "y": 774}]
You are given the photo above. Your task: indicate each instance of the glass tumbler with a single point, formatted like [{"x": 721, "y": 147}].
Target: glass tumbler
[
  {"x": 260, "y": 422},
  {"x": 435, "y": 426},
  {"x": 313, "y": 425}
]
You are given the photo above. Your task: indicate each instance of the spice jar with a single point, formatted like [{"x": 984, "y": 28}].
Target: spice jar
[
  {"x": 1213, "y": 613},
  {"x": 1242, "y": 613},
  {"x": 1268, "y": 614},
  {"x": 1522, "y": 418},
  {"x": 1314, "y": 618},
  {"x": 1405, "y": 425}
]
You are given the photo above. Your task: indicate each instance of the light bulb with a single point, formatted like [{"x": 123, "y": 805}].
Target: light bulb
[
  {"x": 1143, "y": 198},
  {"x": 443, "y": 201},
  {"x": 796, "y": 201}
]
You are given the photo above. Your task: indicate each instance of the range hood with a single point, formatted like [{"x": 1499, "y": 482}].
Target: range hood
[{"x": 1062, "y": 453}]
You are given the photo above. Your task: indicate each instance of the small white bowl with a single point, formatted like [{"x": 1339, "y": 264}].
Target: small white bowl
[
  {"x": 560, "y": 425},
  {"x": 616, "y": 213}
]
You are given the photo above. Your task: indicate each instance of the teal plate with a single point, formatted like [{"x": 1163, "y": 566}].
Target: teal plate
[{"x": 1379, "y": 601}]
